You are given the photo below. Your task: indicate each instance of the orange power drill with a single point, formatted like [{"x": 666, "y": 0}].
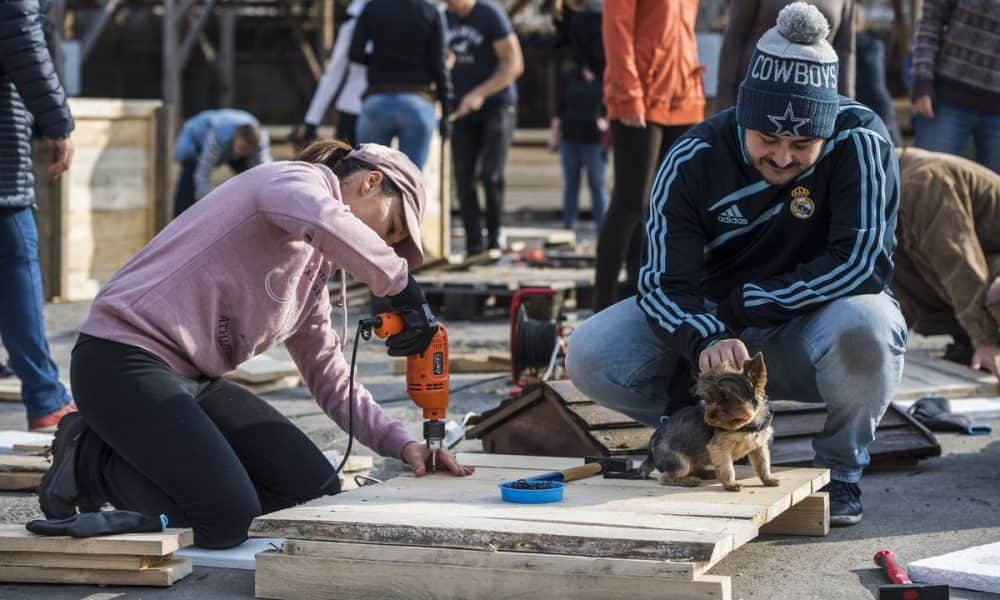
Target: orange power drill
[{"x": 427, "y": 379}]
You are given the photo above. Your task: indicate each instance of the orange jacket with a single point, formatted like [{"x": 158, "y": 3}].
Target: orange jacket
[{"x": 652, "y": 61}]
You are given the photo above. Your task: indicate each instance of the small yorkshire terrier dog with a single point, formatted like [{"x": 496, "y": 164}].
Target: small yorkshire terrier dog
[{"x": 734, "y": 422}]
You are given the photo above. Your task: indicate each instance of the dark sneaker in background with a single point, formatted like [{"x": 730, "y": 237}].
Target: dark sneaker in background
[{"x": 845, "y": 503}]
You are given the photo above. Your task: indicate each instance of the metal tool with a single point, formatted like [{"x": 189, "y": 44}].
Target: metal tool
[
  {"x": 904, "y": 588},
  {"x": 427, "y": 379},
  {"x": 593, "y": 465},
  {"x": 617, "y": 468}
]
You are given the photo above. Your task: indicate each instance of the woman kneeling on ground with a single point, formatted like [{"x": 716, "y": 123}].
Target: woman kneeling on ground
[{"x": 159, "y": 430}]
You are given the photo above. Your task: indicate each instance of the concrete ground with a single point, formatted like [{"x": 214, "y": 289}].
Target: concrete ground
[{"x": 938, "y": 506}]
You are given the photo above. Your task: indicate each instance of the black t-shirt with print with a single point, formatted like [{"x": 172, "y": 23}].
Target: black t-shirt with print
[{"x": 471, "y": 38}]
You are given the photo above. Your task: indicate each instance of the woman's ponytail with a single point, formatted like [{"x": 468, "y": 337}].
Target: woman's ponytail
[{"x": 328, "y": 152}]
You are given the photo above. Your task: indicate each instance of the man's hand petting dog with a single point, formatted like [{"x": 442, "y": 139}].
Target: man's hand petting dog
[{"x": 731, "y": 351}]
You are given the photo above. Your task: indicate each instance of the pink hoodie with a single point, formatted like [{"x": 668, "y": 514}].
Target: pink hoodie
[{"x": 246, "y": 268}]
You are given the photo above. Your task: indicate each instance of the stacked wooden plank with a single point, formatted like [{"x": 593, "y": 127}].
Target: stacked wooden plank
[
  {"x": 262, "y": 374},
  {"x": 22, "y": 472},
  {"x": 446, "y": 537},
  {"x": 143, "y": 559}
]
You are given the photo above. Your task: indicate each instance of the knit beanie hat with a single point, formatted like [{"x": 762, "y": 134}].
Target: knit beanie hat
[{"x": 791, "y": 84}]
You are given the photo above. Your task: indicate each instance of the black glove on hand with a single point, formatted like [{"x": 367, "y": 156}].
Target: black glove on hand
[
  {"x": 106, "y": 522},
  {"x": 420, "y": 324}
]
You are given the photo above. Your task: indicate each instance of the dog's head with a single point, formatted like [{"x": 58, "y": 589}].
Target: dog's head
[{"x": 733, "y": 398}]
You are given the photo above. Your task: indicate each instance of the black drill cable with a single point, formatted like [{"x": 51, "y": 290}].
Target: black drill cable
[{"x": 350, "y": 409}]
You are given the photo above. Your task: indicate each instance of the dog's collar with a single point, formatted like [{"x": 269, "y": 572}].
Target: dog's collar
[{"x": 758, "y": 426}]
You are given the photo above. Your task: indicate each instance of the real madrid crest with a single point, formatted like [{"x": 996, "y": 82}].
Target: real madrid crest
[{"x": 801, "y": 206}]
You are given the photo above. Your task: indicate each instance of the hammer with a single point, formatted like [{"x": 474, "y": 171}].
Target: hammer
[
  {"x": 594, "y": 465},
  {"x": 904, "y": 588}
]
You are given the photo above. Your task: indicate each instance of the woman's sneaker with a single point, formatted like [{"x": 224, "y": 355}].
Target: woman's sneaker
[
  {"x": 845, "y": 503},
  {"x": 59, "y": 494}
]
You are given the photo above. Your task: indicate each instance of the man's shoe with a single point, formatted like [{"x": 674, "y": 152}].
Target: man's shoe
[
  {"x": 845, "y": 503},
  {"x": 58, "y": 494},
  {"x": 48, "y": 423}
]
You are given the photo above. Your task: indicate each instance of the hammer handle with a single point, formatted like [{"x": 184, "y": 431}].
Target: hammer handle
[
  {"x": 887, "y": 560},
  {"x": 588, "y": 470}
]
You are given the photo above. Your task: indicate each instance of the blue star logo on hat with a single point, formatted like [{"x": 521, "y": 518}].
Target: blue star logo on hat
[{"x": 788, "y": 123}]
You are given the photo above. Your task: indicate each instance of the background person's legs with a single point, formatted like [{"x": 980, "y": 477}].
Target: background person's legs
[
  {"x": 347, "y": 127},
  {"x": 595, "y": 161},
  {"x": 377, "y": 123},
  {"x": 498, "y": 132},
  {"x": 22, "y": 318},
  {"x": 639, "y": 376},
  {"x": 466, "y": 143},
  {"x": 848, "y": 355},
  {"x": 987, "y": 136},
  {"x": 949, "y": 131},
  {"x": 571, "y": 161},
  {"x": 417, "y": 121},
  {"x": 184, "y": 194}
]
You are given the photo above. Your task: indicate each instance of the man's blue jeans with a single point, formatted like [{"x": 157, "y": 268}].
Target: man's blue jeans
[
  {"x": 951, "y": 127},
  {"x": 847, "y": 354},
  {"x": 589, "y": 156},
  {"x": 22, "y": 319},
  {"x": 410, "y": 117}
]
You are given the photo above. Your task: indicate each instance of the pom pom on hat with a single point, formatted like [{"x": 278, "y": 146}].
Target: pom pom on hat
[{"x": 802, "y": 23}]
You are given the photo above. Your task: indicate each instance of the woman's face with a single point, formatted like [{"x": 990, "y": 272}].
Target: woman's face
[{"x": 362, "y": 192}]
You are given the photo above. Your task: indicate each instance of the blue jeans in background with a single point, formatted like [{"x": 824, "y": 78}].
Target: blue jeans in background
[
  {"x": 576, "y": 155},
  {"x": 951, "y": 127},
  {"x": 847, "y": 354},
  {"x": 22, "y": 319},
  {"x": 410, "y": 117}
]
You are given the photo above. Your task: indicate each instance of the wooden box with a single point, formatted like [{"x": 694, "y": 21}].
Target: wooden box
[{"x": 110, "y": 203}]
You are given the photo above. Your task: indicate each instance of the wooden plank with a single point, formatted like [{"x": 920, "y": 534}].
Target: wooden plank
[
  {"x": 483, "y": 533},
  {"x": 567, "y": 392},
  {"x": 624, "y": 440},
  {"x": 889, "y": 444},
  {"x": 80, "y": 561},
  {"x": 801, "y": 422},
  {"x": 551, "y": 563},
  {"x": 596, "y": 416},
  {"x": 20, "y": 482},
  {"x": 501, "y": 413},
  {"x": 513, "y": 461},
  {"x": 160, "y": 576},
  {"x": 810, "y": 517},
  {"x": 15, "y": 538},
  {"x": 288, "y": 577},
  {"x": 285, "y": 383},
  {"x": 13, "y": 440},
  {"x": 22, "y": 463}
]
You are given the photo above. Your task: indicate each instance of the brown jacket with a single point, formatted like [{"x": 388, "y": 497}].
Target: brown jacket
[
  {"x": 749, "y": 19},
  {"x": 949, "y": 241},
  {"x": 653, "y": 67}
]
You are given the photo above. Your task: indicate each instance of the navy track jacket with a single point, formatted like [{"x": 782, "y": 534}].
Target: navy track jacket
[{"x": 727, "y": 250}]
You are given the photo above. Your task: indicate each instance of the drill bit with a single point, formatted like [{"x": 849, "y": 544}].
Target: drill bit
[{"x": 434, "y": 461}]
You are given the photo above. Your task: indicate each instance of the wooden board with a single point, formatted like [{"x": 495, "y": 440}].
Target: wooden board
[
  {"x": 162, "y": 575},
  {"x": 924, "y": 373},
  {"x": 12, "y": 440},
  {"x": 15, "y": 538},
  {"x": 285, "y": 383},
  {"x": 80, "y": 561},
  {"x": 22, "y": 463},
  {"x": 20, "y": 482},
  {"x": 307, "y": 578},
  {"x": 810, "y": 517}
]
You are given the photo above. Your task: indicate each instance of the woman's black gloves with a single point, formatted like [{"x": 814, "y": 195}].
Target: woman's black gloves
[{"x": 420, "y": 324}]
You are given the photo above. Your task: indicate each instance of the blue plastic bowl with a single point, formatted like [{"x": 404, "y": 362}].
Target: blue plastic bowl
[{"x": 552, "y": 494}]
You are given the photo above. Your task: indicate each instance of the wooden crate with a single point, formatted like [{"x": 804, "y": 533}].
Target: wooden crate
[
  {"x": 110, "y": 203},
  {"x": 444, "y": 537}
]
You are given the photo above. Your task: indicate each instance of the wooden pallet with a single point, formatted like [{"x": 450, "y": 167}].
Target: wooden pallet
[
  {"x": 21, "y": 472},
  {"x": 444, "y": 537},
  {"x": 144, "y": 559}
]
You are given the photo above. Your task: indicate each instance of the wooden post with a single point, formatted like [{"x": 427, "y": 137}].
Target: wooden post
[
  {"x": 811, "y": 517},
  {"x": 227, "y": 54},
  {"x": 326, "y": 30}
]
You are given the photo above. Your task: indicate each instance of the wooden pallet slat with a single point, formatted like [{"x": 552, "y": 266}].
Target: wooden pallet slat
[
  {"x": 15, "y": 538},
  {"x": 163, "y": 575}
]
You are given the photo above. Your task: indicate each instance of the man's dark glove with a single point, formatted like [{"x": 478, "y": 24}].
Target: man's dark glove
[
  {"x": 420, "y": 324},
  {"x": 92, "y": 524},
  {"x": 935, "y": 413}
]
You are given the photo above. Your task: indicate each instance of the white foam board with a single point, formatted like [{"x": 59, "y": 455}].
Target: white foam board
[
  {"x": 976, "y": 568},
  {"x": 240, "y": 557}
]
